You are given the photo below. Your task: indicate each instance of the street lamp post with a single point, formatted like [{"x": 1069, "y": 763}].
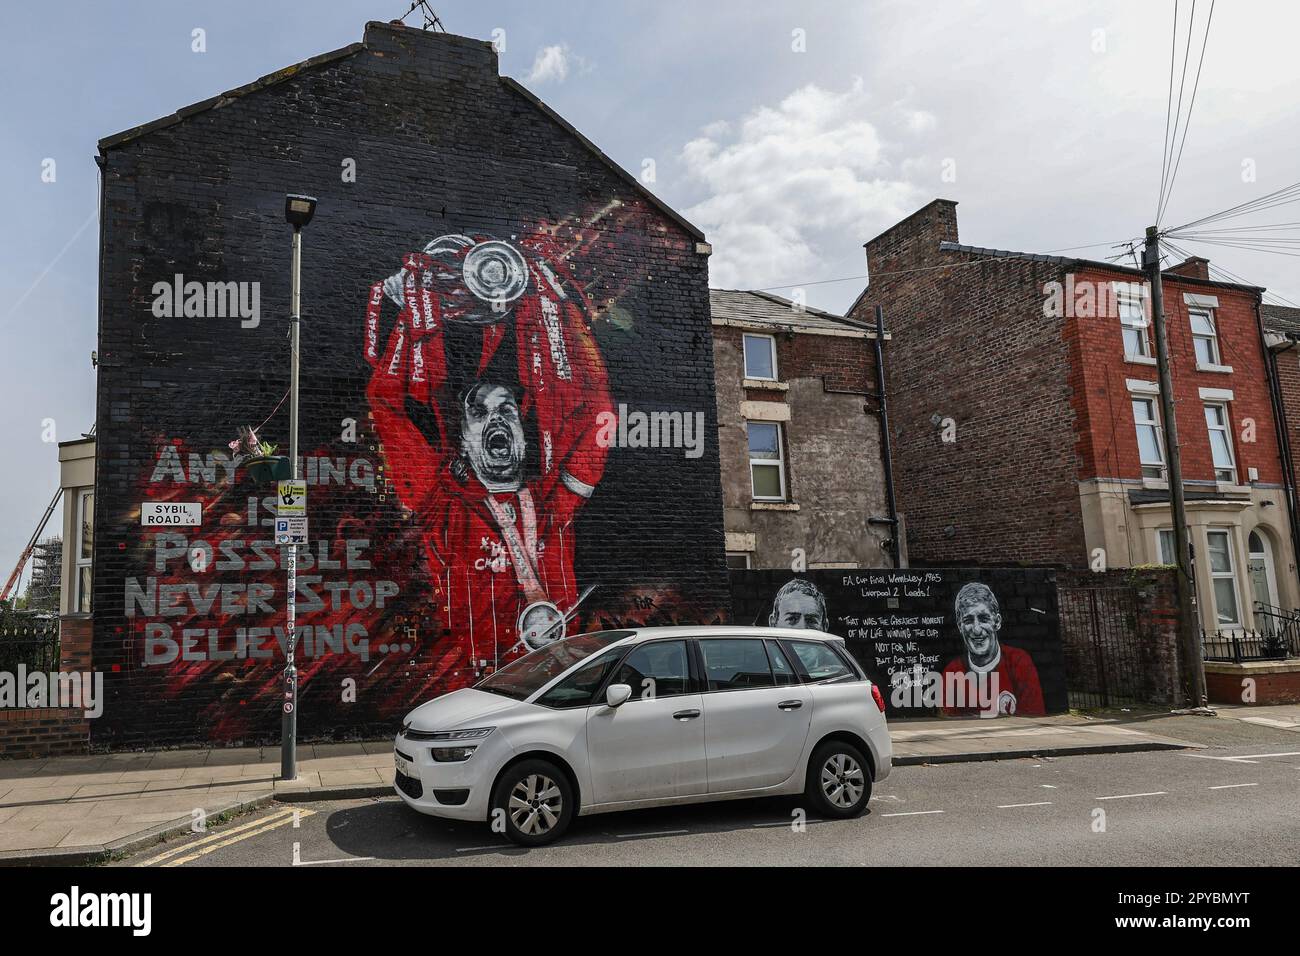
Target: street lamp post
[{"x": 298, "y": 211}]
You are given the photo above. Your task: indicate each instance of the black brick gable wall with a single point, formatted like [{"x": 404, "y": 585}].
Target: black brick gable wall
[{"x": 413, "y": 596}]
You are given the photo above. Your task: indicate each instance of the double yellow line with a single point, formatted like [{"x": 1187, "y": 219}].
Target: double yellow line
[{"x": 210, "y": 844}]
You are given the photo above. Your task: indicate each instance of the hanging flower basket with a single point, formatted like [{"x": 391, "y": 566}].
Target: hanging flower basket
[
  {"x": 268, "y": 468},
  {"x": 259, "y": 458}
]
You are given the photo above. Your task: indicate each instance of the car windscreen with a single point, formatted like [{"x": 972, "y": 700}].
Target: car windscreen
[{"x": 526, "y": 676}]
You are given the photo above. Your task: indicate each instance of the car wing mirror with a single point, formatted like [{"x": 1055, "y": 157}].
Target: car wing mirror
[{"x": 617, "y": 694}]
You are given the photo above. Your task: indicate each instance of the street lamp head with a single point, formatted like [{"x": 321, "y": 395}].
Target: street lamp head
[{"x": 298, "y": 210}]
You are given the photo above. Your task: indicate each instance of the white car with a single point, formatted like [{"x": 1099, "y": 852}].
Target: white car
[{"x": 618, "y": 720}]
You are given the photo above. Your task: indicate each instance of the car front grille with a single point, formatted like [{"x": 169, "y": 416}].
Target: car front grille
[{"x": 409, "y": 785}]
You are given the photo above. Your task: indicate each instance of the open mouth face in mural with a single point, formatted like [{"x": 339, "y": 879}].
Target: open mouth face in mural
[
  {"x": 979, "y": 625},
  {"x": 493, "y": 436}
]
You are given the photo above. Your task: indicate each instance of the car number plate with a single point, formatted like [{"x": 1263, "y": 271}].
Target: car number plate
[{"x": 404, "y": 766}]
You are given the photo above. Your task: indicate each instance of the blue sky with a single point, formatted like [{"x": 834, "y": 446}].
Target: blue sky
[{"x": 1047, "y": 119}]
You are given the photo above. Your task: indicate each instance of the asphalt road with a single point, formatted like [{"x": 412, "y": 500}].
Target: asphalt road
[{"x": 1235, "y": 802}]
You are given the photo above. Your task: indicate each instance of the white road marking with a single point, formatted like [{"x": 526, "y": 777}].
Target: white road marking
[
  {"x": 1125, "y": 796},
  {"x": 476, "y": 849},
  {"x": 1244, "y": 758},
  {"x": 299, "y": 861},
  {"x": 1270, "y": 722},
  {"x": 1012, "y": 806},
  {"x": 634, "y": 836},
  {"x": 786, "y": 823},
  {"x": 1048, "y": 786},
  {"x": 911, "y": 813},
  {"x": 1230, "y": 786}
]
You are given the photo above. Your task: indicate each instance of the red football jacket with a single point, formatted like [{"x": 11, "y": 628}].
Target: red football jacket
[
  {"x": 492, "y": 554},
  {"x": 1016, "y": 676}
]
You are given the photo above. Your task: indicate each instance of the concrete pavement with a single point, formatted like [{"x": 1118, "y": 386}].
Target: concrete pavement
[{"x": 80, "y": 809}]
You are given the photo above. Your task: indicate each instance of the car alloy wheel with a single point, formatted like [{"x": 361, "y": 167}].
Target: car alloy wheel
[
  {"x": 842, "y": 780},
  {"x": 536, "y": 804}
]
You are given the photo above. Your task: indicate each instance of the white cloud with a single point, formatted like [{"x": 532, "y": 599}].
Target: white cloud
[
  {"x": 797, "y": 185},
  {"x": 552, "y": 63}
]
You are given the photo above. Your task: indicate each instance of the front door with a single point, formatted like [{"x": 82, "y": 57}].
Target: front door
[
  {"x": 756, "y": 713},
  {"x": 1263, "y": 584},
  {"x": 651, "y": 747}
]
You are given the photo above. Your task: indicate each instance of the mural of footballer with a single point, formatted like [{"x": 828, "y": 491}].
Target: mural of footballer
[
  {"x": 979, "y": 620},
  {"x": 799, "y": 604},
  {"x": 491, "y": 343}
]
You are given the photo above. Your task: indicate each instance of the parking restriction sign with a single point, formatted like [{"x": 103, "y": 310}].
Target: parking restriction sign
[{"x": 291, "y": 530}]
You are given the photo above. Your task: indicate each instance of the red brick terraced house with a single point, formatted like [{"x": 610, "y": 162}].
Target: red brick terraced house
[{"x": 1027, "y": 416}]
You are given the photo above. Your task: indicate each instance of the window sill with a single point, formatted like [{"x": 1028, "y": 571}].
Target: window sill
[
  {"x": 1222, "y": 369},
  {"x": 773, "y": 506},
  {"x": 1139, "y": 359},
  {"x": 1231, "y": 487},
  {"x": 768, "y": 383},
  {"x": 1156, "y": 484}
]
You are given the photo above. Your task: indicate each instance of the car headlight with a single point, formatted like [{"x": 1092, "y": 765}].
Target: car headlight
[
  {"x": 452, "y": 754},
  {"x": 469, "y": 733}
]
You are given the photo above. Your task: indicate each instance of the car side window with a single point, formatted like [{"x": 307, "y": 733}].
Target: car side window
[
  {"x": 577, "y": 689},
  {"x": 735, "y": 664},
  {"x": 820, "y": 661},
  {"x": 657, "y": 669},
  {"x": 781, "y": 669}
]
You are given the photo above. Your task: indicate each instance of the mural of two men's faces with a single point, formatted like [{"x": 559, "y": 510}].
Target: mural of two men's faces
[{"x": 901, "y": 642}]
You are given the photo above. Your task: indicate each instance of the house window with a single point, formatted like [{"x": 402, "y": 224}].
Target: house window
[
  {"x": 737, "y": 561},
  {"x": 85, "y": 549},
  {"x": 1223, "y": 577},
  {"x": 1167, "y": 546},
  {"x": 1216, "y": 420},
  {"x": 1133, "y": 320},
  {"x": 1150, "y": 445},
  {"x": 766, "y": 461},
  {"x": 760, "y": 357},
  {"x": 1204, "y": 337}
]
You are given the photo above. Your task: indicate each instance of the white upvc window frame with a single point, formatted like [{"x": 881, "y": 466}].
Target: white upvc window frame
[
  {"x": 1215, "y": 358},
  {"x": 770, "y": 340},
  {"x": 1158, "y": 468},
  {"x": 778, "y": 461},
  {"x": 1225, "y": 474},
  {"x": 1229, "y": 575},
  {"x": 81, "y": 598},
  {"x": 1127, "y": 296}
]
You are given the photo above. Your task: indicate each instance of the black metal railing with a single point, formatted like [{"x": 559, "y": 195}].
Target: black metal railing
[
  {"x": 1238, "y": 645},
  {"x": 1280, "y": 626},
  {"x": 36, "y": 646}
]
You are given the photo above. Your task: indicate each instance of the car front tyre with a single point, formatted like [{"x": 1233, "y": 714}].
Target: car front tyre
[
  {"x": 839, "y": 780},
  {"x": 533, "y": 802}
]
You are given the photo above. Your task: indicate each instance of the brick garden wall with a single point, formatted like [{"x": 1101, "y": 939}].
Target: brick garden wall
[
  {"x": 1138, "y": 648},
  {"x": 51, "y": 731},
  {"x": 456, "y": 433}
]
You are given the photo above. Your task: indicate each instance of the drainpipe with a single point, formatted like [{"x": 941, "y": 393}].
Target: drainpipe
[
  {"x": 1280, "y": 427},
  {"x": 885, "y": 452}
]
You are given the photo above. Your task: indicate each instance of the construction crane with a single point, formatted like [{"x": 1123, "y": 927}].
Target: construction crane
[
  {"x": 27, "y": 551},
  {"x": 36, "y": 536}
]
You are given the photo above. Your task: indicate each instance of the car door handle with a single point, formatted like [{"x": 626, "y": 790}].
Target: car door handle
[
  {"x": 790, "y": 704},
  {"x": 686, "y": 715}
]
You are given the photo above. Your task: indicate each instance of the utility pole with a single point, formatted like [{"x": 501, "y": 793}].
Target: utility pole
[
  {"x": 298, "y": 211},
  {"x": 1193, "y": 664},
  {"x": 887, "y": 458}
]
